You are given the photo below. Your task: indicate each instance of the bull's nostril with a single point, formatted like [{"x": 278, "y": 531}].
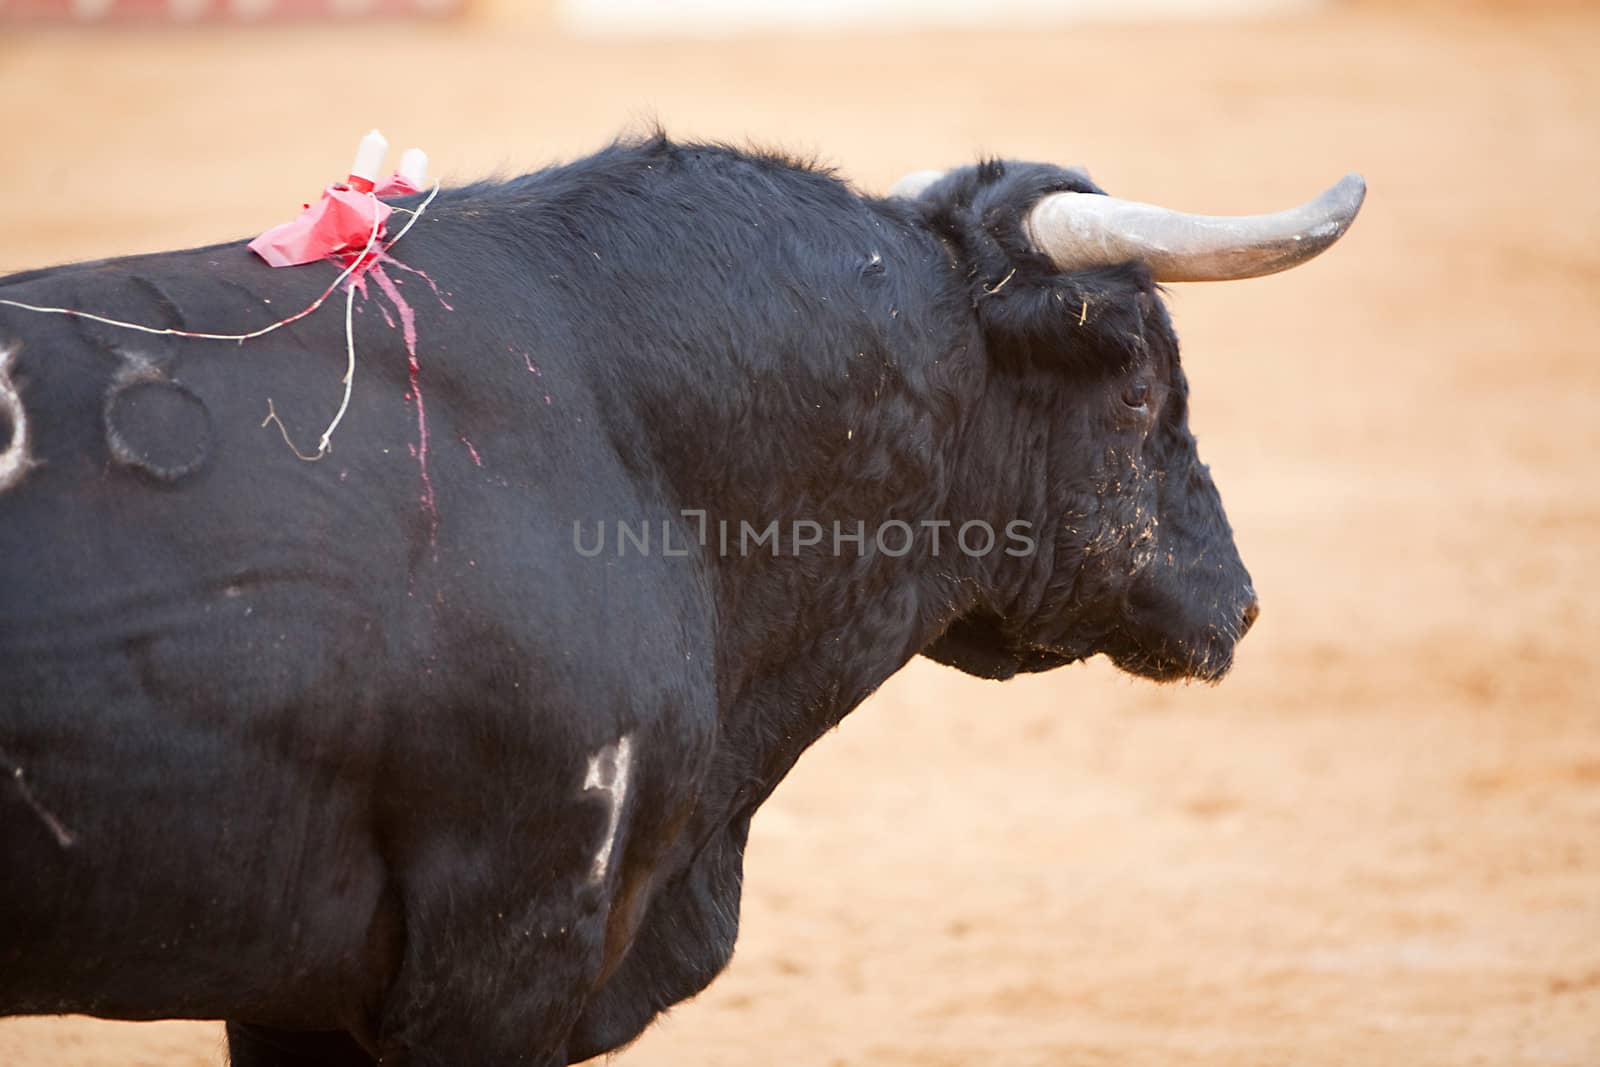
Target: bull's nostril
[{"x": 1252, "y": 611}]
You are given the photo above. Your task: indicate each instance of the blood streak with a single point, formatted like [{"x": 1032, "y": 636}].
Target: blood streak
[
  {"x": 533, "y": 368},
  {"x": 408, "y": 331},
  {"x": 373, "y": 264},
  {"x": 385, "y": 258}
]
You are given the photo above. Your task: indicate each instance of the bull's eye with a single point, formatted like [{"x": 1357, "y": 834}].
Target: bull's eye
[{"x": 1137, "y": 396}]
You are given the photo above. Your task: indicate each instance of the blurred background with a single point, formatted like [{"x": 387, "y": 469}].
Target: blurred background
[{"x": 1379, "y": 840}]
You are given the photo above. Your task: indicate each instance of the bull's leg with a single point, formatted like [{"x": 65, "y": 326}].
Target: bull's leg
[
  {"x": 519, "y": 901},
  {"x": 261, "y": 1046},
  {"x": 496, "y": 974},
  {"x": 508, "y": 901}
]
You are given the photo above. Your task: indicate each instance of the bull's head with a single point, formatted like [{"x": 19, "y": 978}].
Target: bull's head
[{"x": 1135, "y": 556}]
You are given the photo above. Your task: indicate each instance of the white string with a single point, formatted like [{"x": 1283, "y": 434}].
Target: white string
[
  {"x": 415, "y": 214},
  {"x": 172, "y": 331},
  {"x": 349, "y": 323}
]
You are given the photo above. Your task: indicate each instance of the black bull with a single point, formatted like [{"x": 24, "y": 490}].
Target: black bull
[{"x": 376, "y": 757}]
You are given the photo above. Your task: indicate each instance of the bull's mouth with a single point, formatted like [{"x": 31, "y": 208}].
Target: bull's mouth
[
  {"x": 1165, "y": 639},
  {"x": 1172, "y": 660}
]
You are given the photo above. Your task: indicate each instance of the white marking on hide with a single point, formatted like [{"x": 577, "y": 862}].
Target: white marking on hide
[
  {"x": 608, "y": 773},
  {"x": 14, "y": 462},
  {"x": 64, "y": 837}
]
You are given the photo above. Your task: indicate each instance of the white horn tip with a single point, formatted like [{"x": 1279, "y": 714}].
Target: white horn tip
[
  {"x": 1338, "y": 208},
  {"x": 1346, "y": 197}
]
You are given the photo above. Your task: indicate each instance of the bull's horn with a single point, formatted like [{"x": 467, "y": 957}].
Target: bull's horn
[
  {"x": 1079, "y": 230},
  {"x": 915, "y": 184}
]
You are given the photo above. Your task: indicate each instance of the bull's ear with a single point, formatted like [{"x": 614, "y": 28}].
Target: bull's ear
[
  {"x": 915, "y": 185},
  {"x": 1030, "y": 311},
  {"x": 1101, "y": 321}
]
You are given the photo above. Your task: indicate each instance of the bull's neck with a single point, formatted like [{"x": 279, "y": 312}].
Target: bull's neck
[
  {"x": 802, "y": 641},
  {"x": 861, "y": 567}
]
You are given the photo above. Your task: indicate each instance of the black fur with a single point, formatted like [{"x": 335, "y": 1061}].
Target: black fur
[{"x": 322, "y": 748}]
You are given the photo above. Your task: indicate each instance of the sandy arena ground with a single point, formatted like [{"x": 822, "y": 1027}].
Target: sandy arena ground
[{"x": 1379, "y": 841}]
